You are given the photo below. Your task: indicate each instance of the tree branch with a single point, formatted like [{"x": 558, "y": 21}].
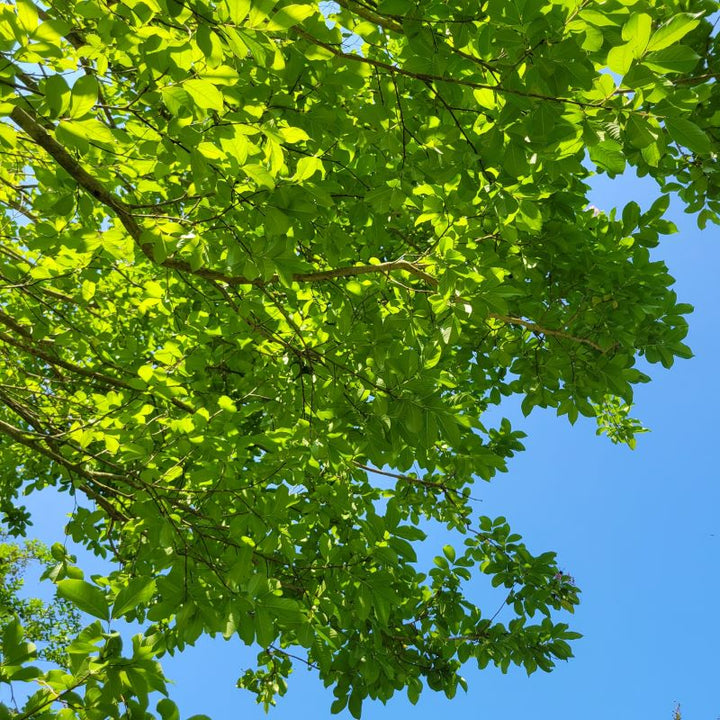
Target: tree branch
[
  {"x": 406, "y": 478},
  {"x": 373, "y": 17},
  {"x": 51, "y": 359},
  {"x": 534, "y": 327},
  {"x": 124, "y": 213},
  {"x": 427, "y": 77},
  {"x": 388, "y": 23},
  {"x": 19, "y": 436}
]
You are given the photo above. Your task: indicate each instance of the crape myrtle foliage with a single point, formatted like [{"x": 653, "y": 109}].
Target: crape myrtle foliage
[{"x": 265, "y": 265}]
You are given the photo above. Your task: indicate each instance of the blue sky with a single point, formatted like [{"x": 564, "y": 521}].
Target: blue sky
[{"x": 639, "y": 530}]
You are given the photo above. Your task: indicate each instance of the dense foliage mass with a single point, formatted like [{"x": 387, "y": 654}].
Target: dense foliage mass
[{"x": 264, "y": 267}]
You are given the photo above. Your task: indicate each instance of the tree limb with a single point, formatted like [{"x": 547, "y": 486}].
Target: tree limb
[
  {"x": 124, "y": 213},
  {"x": 534, "y": 327}
]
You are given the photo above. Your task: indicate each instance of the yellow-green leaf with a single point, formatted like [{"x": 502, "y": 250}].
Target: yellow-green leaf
[
  {"x": 289, "y": 16},
  {"x": 83, "y": 97},
  {"x": 204, "y": 94},
  {"x": 673, "y": 30},
  {"x": 307, "y": 167},
  {"x": 238, "y": 10}
]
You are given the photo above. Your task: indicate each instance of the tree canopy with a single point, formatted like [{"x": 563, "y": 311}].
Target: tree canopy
[{"x": 264, "y": 268}]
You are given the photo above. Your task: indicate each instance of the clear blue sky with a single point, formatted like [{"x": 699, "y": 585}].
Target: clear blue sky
[{"x": 639, "y": 531}]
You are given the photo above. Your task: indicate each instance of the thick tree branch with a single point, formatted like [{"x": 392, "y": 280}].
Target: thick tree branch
[{"x": 123, "y": 211}]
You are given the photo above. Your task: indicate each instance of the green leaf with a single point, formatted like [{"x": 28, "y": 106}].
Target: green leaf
[
  {"x": 530, "y": 215},
  {"x": 598, "y": 18},
  {"x": 686, "y": 133},
  {"x": 673, "y": 30},
  {"x": 609, "y": 156},
  {"x": 260, "y": 175},
  {"x": 307, "y": 167},
  {"x": 138, "y": 591},
  {"x": 639, "y": 132},
  {"x": 264, "y": 630},
  {"x": 27, "y": 15},
  {"x": 515, "y": 160},
  {"x": 620, "y": 58},
  {"x": 90, "y": 129},
  {"x": 486, "y": 98},
  {"x": 168, "y": 709},
  {"x": 204, "y": 94},
  {"x": 293, "y": 134},
  {"x": 83, "y": 97},
  {"x": 675, "y": 59},
  {"x": 636, "y": 32},
  {"x": 57, "y": 94},
  {"x": 176, "y": 99},
  {"x": 238, "y": 10},
  {"x": 86, "y": 597},
  {"x": 338, "y": 705},
  {"x": 355, "y": 704},
  {"x": 288, "y": 16},
  {"x": 220, "y": 75},
  {"x": 15, "y": 650},
  {"x": 630, "y": 216},
  {"x": 276, "y": 222},
  {"x": 225, "y": 403}
]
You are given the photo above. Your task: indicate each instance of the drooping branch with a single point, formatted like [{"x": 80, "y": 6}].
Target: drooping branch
[
  {"x": 51, "y": 360},
  {"x": 17, "y": 207},
  {"x": 407, "y": 478},
  {"x": 124, "y": 213}
]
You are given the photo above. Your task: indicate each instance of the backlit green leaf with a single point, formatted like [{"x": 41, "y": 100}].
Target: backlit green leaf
[
  {"x": 288, "y": 16},
  {"x": 686, "y": 133},
  {"x": 137, "y": 592},
  {"x": 670, "y": 32},
  {"x": 675, "y": 59},
  {"x": 83, "y": 97},
  {"x": 204, "y": 94},
  {"x": 86, "y": 597}
]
